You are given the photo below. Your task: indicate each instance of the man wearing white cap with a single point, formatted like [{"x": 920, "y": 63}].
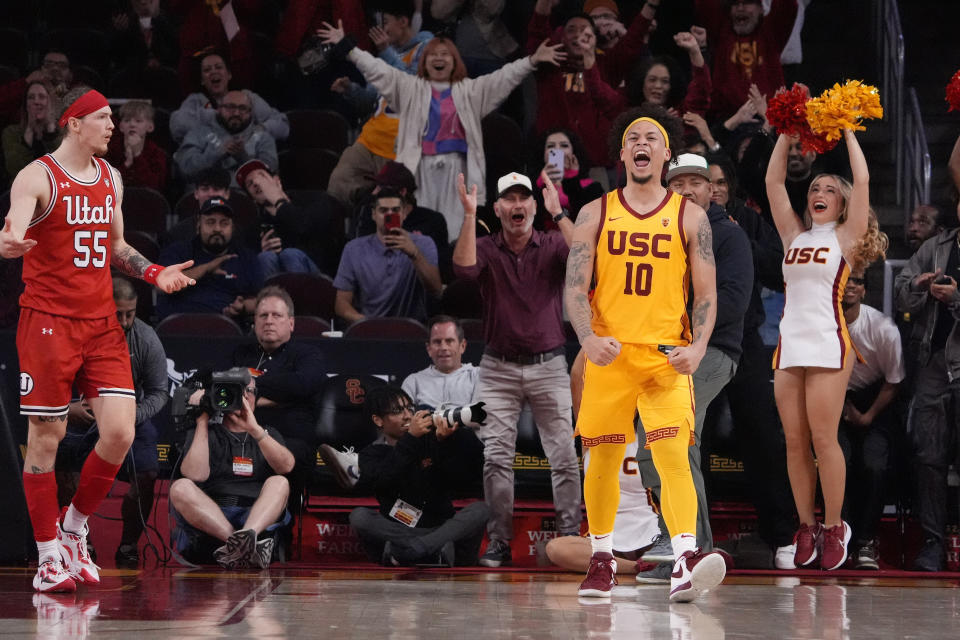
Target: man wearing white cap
[
  {"x": 521, "y": 276},
  {"x": 689, "y": 175}
]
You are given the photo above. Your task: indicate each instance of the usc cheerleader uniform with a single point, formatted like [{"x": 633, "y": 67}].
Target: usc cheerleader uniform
[{"x": 813, "y": 332}]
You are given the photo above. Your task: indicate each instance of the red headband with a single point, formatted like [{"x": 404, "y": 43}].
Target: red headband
[{"x": 86, "y": 104}]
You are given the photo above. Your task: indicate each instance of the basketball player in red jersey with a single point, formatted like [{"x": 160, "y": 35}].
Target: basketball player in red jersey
[{"x": 66, "y": 222}]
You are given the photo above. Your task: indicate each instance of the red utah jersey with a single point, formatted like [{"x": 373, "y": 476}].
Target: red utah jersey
[{"x": 67, "y": 273}]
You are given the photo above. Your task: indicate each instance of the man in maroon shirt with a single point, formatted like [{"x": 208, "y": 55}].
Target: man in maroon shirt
[
  {"x": 521, "y": 275},
  {"x": 746, "y": 48}
]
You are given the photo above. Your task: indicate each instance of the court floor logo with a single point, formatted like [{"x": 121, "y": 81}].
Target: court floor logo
[{"x": 26, "y": 383}]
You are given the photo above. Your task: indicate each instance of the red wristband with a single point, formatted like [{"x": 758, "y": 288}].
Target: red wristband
[{"x": 151, "y": 273}]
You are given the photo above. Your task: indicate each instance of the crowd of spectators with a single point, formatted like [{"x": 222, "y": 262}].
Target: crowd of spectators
[{"x": 420, "y": 198}]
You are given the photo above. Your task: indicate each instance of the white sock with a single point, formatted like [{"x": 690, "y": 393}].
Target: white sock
[
  {"x": 48, "y": 551},
  {"x": 602, "y": 543},
  {"x": 683, "y": 542},
  {"x": 74, "y": 521}
]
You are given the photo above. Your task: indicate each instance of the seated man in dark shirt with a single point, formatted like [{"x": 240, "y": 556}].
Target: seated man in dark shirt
[
  {"x": 227, "y": 275},
  {"x": 295, "y": 234},
  {"x": 413, "y": 468},
  {"x": 231, "y": 488},
  {"x": 292, "y": 373}
]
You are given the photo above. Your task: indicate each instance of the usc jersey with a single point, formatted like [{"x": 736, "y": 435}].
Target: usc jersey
[
  {"x": 641, "y": 272},
  {"x": 67, "y": 273}
]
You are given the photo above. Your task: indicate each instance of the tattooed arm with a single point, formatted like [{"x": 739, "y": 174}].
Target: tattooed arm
[
  {"x": 131, "y": 262},
  {"x": 703, "y": 276},
  {"x": 600, "y": 349}
]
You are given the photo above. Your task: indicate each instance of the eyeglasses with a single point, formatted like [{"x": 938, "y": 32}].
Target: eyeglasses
[{"x": 860, "y": 281}]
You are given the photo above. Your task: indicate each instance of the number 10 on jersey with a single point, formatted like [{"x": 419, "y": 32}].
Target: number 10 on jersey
[{"x": 639, "y": 276}]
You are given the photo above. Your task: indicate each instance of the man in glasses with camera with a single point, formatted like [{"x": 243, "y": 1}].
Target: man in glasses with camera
[
  {"x": 231, "y": 486},
  {"x": 414, "y": 468}
]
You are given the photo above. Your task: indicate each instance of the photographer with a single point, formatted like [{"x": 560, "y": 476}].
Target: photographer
[
  {"x": 232, "y": 487},
  {"x": 447, "y": 383},
  {"x": 413, "y": 468}
]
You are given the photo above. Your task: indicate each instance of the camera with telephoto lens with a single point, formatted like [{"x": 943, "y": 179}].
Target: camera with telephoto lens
[
  {"x": 223, "y": 394},
  {"x": 471, "y": 415}
]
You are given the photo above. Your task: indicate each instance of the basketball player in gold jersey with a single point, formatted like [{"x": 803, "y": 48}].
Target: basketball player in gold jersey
[{"x": 643, "y": 245}]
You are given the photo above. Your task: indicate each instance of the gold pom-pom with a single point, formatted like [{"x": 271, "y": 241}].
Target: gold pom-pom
[{"x": 843, "y": 107}]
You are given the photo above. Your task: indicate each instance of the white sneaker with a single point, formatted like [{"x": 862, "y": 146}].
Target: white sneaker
[
  {"x": 53, "y": 578},
  {"x": 783, "y": 557},
  {"x": 694, "y": 573},
  {"x": 344, "y": 465},
  {"x": 76, "y": 560}
]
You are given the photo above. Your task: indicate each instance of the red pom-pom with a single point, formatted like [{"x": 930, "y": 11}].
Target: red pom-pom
[
  {"x": 787, "y": 110},
  {"x": 787, "y": 113},
  {"x": 953, "y": 92}
]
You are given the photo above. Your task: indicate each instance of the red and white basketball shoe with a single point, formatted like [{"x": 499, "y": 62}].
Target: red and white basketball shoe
[
  {"x": 695, "y": 572},
  {"x": 53, "y": 578},
  {"x": 76, "y": 560}
]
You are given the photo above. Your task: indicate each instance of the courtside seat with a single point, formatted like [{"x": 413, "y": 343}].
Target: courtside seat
[
  {"x": 198, "y": 324},
  {"x": 387, "y": 329}
]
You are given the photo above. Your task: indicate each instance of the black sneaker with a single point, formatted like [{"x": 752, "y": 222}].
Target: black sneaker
[
  {"x": 930, "y": 557},
  {"x": 498, "y": 554},
  {"x": 127, "y": 557},
  {"x": 867, "y": 555}
]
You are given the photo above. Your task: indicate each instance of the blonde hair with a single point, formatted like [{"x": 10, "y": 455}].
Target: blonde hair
[
  {"x": 135, "y": 108},
  {"x": 845, "y": 189},
  {"x": 872, "y": 245}
]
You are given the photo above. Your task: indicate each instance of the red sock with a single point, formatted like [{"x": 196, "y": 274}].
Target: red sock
[
  {"x": 40, "y": 490},
  {"x": 96, "y": 478}
]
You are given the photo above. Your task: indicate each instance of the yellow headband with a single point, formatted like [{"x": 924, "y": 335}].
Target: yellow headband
[{"x": 666, "y": 138}]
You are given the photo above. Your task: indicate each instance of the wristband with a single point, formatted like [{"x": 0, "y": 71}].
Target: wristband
[
  {"x": 265, "y": 434},
  {"x": 150, "y": 273},
  {"x": 560, "y": 216}
]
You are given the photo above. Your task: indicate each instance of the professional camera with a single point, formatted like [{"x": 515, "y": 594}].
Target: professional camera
[
  {"x": 224, "y": 393},
  {"x": 471, "y": 415}
]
